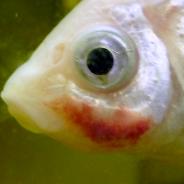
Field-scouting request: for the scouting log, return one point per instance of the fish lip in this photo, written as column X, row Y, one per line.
column 16, row 108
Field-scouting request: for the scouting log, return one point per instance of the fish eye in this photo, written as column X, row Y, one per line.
column 95, row 58
column 106, row 58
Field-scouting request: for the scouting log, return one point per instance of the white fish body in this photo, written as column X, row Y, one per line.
column 138, row 104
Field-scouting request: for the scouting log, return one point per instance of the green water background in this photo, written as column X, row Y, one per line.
column 27, row 158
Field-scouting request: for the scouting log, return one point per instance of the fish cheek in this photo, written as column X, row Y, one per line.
column 121, row 129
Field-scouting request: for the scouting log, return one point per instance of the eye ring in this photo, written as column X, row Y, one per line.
column 115, row 45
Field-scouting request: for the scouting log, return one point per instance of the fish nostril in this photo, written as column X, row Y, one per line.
column 58, row 53
column 100, row 61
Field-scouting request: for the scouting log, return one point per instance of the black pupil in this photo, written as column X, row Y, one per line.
column 100, row 61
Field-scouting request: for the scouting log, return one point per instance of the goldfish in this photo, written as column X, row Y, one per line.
column 108, row 77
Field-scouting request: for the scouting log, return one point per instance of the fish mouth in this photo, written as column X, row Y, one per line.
column 28, row 110
column 19, row 109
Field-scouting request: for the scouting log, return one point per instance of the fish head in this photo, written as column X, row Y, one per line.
column 102, row 79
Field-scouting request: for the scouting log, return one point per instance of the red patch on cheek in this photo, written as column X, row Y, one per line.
column 120, row 127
